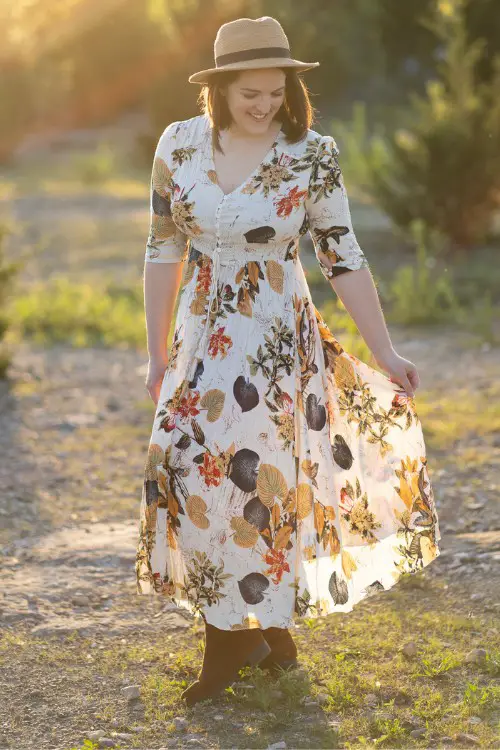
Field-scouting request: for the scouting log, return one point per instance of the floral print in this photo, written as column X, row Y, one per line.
column 284, row 478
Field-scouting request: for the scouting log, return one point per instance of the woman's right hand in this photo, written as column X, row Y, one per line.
column 154, row 378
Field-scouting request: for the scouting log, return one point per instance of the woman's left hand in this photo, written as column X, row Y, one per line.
column 400, row 370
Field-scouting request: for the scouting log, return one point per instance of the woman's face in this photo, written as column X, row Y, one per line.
column 254, row 98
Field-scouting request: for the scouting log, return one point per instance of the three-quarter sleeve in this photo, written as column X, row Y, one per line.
column 166, row 242
column 329, row 217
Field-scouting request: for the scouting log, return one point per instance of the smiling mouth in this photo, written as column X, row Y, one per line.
column 256, row 117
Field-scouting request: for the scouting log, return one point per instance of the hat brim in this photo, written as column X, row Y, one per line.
column 203, row 76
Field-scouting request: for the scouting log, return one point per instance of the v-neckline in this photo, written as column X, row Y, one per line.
column 247, row 179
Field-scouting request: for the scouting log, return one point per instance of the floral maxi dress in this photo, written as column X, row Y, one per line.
column 285, row 478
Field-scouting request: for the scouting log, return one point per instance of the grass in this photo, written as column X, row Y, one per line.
column 344, row 659
column 81, row 314
column 462, row 414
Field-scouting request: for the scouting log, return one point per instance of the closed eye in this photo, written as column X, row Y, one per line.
column 252, row 96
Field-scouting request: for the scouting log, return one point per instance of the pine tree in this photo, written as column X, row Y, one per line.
column 444, row 167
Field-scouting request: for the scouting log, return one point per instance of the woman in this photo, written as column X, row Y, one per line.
column 285, row 477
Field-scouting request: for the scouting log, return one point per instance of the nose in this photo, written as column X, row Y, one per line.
column 263, row 109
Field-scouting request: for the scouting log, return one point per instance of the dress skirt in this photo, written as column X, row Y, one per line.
column 285, row 478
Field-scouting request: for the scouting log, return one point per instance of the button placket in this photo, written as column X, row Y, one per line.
column 200, row 350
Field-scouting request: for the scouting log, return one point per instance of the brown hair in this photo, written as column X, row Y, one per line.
column 296, row 113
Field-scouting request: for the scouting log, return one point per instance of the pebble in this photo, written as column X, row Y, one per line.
column 409, row 650
column 371, row 699
column 335, row 724
column 106, row 742
column 470, row 738
column 416, row 734
column 475, row 720
column 281, row 745
column 131, row 692
column 180, row 723
column 476, row 656
column 96, row 735
column 80, row 600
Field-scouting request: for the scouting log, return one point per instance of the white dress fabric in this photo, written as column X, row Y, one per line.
column 285, row 478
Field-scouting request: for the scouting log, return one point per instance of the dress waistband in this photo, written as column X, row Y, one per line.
column 237, row 254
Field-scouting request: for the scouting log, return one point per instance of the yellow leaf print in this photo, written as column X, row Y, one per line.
column 270, row 484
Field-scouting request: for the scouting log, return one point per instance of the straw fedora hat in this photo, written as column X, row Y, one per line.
column 245, row 44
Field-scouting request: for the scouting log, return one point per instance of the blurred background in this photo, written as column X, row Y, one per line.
column 411, row 93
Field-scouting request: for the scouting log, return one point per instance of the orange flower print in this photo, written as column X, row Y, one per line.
column 203, row 280
column 402, row 402
column 187, row 407
column 212, row 469
column 219, row 343
column 346, row 503
column 278, row 565
column 184, row 407
column 287, row 203
column 402, row 399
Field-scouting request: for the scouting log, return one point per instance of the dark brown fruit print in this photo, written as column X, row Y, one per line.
column 315, row 413
column 252, row 586
column 161, row 205
column 151, row 486
column 338, row 589
column 341, row 452
column 257, row 514
column 373, row 588
column 245, row 393
column 260, row 234
column 197, row 374
column 243, row 469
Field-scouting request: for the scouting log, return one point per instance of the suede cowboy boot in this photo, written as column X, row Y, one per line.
column 283, row 654
column 226, row 652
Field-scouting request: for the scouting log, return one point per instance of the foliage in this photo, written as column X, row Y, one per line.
column 445, row 166
column 81, row 314
column 72, row 63
column 96, row 168
column 7, row 272
column 418, row 295
column 363, row 151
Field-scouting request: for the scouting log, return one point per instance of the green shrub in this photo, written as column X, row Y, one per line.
column 417, row 295
column 7, row 272
column 96, row 168
column 362, row 152
column 444, row 167
column 81, row 314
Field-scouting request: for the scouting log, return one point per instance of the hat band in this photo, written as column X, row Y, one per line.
column 252, row 54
